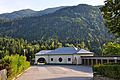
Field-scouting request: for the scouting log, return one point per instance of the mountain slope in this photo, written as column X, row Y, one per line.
column 72, row 24
column 17, row 14
column 28, row 13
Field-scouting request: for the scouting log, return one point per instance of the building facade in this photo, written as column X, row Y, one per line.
column 63, row 55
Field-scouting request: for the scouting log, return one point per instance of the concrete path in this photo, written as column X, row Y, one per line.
column 57, row 72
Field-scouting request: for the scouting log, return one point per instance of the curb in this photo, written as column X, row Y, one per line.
column 20, row 74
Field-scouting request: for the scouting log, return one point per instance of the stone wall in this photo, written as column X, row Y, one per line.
column 3, row 74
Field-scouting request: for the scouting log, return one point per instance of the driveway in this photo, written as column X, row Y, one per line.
column 57, row 72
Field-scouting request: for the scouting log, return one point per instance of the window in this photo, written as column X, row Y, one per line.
column 69, row 59
column 60, row 59
column 111, row 60
column 51, row 59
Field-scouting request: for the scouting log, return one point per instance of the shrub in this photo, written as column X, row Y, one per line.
column 15, row 64
column 108, row 70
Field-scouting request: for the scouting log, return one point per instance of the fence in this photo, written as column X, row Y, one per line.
column 92, row 60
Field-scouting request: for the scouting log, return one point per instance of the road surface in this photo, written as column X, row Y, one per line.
column 57, row 72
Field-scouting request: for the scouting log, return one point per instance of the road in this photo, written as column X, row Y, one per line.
column 57, row 72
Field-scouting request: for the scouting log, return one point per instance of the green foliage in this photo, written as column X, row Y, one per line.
column 15, row 64
column 111, row 49
column 10, row 46
column 108, row 70
column 111, row 14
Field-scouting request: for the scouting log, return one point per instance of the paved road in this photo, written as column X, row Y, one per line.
column 57, row 72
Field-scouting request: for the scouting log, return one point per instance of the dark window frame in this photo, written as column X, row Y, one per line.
column 60, row 59
column 69, row 59
column 51, row 59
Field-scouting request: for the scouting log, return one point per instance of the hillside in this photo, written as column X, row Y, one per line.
column 28, row 13
column 72, row 24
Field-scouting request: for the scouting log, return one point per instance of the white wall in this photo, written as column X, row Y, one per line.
column 86, row 54
column 78, row 56
column 64, row 57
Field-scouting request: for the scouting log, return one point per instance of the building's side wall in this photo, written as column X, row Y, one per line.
column 64, row 59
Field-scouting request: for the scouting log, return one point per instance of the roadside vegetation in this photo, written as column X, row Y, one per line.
column 14, row 65
column 108, row 70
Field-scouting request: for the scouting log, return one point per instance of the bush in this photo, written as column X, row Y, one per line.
column 111, row 71
column 15, row 64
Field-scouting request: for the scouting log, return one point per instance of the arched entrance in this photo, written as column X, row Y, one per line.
column 75, row 60
column 41, row 60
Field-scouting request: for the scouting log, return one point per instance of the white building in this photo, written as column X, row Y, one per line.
column 64, row 55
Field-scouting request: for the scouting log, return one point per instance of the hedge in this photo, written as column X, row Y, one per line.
column 14, row 64
column 108, row 70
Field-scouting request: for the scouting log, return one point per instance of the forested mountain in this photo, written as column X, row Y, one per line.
column 75, row 24
column 17, row 14
column 28, row 13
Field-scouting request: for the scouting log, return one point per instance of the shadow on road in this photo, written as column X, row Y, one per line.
column 71, row 78
column 87, row 69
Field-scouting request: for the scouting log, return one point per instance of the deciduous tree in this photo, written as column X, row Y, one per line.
column 111, row 14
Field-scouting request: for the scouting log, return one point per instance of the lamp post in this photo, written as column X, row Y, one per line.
column 24, row 52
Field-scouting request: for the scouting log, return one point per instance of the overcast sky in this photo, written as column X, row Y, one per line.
column 14, row 5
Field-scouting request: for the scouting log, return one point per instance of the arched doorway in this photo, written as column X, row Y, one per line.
column 75, row 61
column 41, row 60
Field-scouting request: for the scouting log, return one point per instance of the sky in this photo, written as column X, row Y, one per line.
column 7, row 6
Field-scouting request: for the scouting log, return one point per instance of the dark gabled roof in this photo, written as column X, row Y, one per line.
column 63, row 50
column 43, row 52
